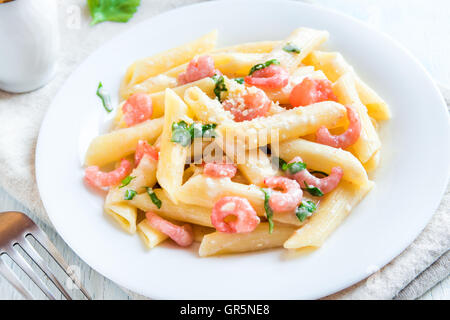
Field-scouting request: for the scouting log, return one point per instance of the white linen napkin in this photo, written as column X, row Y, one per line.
column 423, row 264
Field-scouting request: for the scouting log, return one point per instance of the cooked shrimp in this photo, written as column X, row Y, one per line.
column 325, row 185
column 220, row 170
column 287, row 200
column 245, row 216
column 311, row 91
column 253, row 104
column 346, row 139
column 182, row 235
column 198, row 68
column 271, row 77
column 144, row 148
column 137, row 109
column 99, row 179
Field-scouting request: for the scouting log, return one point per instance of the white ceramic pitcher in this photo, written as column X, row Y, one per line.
column 29, row 44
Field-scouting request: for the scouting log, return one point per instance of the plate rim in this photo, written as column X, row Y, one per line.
column 324, row 292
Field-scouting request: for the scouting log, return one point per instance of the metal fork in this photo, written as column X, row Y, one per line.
column 14, row 228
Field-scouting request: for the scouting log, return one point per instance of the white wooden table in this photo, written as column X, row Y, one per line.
column 420, row 25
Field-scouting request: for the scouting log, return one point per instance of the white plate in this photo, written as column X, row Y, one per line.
column 409, row 185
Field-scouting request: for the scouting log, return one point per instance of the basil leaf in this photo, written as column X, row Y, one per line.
column 180, row 125
column 219, row 87
column 319, row 172
column 126, row 181
column 196, row 130
column 294, row 167
column 260, row 66
column 289, row 47
column 208, row 130
column 278, row 163
column 129, row 194
column 305, row 210
column 154, row 197
column 267, row 208
column 112, row 10
column 314, row 191
column 181, row 136
column 104, row 96
column 239, row 80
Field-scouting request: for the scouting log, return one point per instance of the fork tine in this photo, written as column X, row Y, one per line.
column 42, row 238
column 14, row 281
column 36, row 257
column 23, row 264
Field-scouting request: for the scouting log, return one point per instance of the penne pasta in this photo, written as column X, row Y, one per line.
column 251, row 47
column 159, row 63
column 323, row 158
column 330, row 214
column 305, row 40
column 369, row 142
column 334, row 66
column 259, row 239
column 286, row 125
column 149, row 235
column 120, row 143
column 172, row 155
column 123, row 213
column 180, row 212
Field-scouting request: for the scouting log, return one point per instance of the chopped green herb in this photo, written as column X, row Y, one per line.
column 239, row 80
column 129, row 194
column 112, row 10
column 104, row 96
column 183, row 133
column 181, row 136
column 319, row 172
column 289, row 47
column 305, row 209
column 208, row 130
column 154, row 197
column 260, row 66
column 268, row 209
column 294, row 167
column 278, row 163
column 219, row 87
column 314, row 191
column 126, row 181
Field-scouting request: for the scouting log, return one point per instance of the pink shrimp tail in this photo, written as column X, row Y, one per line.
column 271, row 77
column 287, row 200
column 325, row 185
column 346, row 139
column 137, row 109
column 99, row 179
column 182, row 235
column 246, row 219
column 198, row 68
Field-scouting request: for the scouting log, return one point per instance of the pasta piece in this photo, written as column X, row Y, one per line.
column 120, row 143
column 305, row 40
column 123, row 213
column 333, row 209
column 373, row 162
column 149, row 235
column 259, row 239
column 369, row 142
column 169, row 210
column 203, row 191
column 334, row 66
column 285, row 125
column 142, row 176
column 200, row 232
column 323, row 158
column 206, row 109
column 251, row 47
column 161, row 62
column 172, row 156
column 257, row 167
